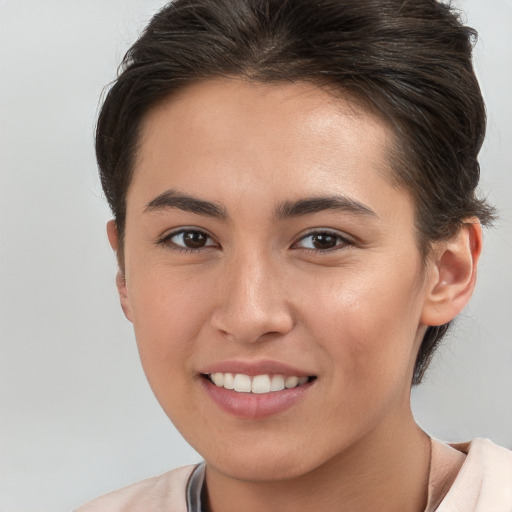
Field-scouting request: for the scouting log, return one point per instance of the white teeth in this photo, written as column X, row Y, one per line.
column 228, row 381
column 291, row 382
column 260, row 384
column 242, row 383
column 218, row 379
column 277, row 383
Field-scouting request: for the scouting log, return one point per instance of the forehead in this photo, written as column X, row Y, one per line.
column 248, row 110
column 277, row 139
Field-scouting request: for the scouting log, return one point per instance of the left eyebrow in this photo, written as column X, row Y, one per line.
column 173, row 199
column 318, row 204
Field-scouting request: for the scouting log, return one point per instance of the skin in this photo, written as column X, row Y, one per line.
column 352, row 314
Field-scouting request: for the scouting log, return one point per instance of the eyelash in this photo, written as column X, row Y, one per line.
column 166, row 241
column 341, row 241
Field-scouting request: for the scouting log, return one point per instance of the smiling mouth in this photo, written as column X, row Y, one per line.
column 258, row 384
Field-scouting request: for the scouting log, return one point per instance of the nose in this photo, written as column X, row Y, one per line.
column 253, row 301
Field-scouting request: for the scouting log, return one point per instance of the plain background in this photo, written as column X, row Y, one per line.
column 77, row 417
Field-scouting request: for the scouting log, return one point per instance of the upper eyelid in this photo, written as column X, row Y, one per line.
column 330, row 231
column 345, row 241
column 182, row 229
column 167, row 235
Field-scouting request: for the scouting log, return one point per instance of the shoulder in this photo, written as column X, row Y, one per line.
column 160, row 493
column 484, row 483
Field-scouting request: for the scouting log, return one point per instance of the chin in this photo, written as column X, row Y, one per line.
column 270, row 470
column 272, row 462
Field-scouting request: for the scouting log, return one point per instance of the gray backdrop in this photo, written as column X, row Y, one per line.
column 77, row 417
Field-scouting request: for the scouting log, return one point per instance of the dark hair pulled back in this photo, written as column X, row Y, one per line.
column 410, row 60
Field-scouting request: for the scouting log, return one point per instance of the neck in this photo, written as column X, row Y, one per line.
column 387, row 470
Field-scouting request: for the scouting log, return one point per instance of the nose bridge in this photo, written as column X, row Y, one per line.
column 252, row 302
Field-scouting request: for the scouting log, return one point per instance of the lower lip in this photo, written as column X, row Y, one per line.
column 253, row 405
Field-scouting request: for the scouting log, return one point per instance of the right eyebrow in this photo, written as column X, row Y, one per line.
column 173, row 199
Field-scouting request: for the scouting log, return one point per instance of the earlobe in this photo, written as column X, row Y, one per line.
column 123, row 295
column 453, row 274
column 113, row 238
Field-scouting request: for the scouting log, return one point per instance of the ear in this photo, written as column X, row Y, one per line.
column 452, row 275
column 113, row 238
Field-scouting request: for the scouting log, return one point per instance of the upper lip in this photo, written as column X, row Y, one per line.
column 253, row 368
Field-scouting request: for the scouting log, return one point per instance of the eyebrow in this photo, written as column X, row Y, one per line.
column 174, row 199
column 318, row 204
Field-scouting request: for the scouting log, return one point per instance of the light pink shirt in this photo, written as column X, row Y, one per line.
column 484, row 482
column 480, row 481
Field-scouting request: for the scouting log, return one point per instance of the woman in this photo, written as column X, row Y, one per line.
column 295, row 220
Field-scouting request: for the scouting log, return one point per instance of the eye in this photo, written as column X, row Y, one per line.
column 321, row 241
column 189, row 239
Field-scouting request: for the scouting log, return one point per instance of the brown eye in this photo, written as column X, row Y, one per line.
column 192, row 239
column 322, row 241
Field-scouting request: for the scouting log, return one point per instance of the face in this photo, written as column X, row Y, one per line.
column 266, row 249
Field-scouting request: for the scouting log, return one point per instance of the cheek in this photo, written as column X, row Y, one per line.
column 367, row 322
column 169, row 311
